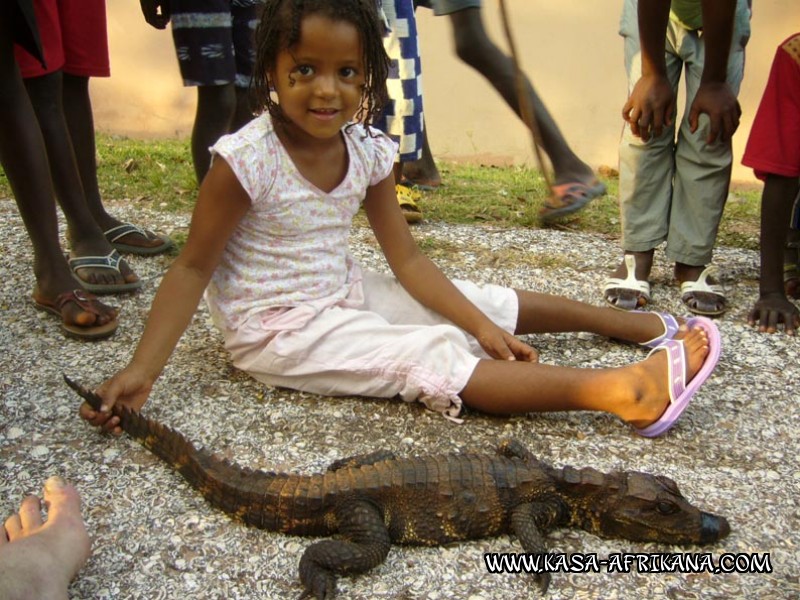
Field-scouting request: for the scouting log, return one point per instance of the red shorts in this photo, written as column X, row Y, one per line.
column 73, row 36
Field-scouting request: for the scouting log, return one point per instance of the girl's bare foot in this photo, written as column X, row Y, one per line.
column 648, row 326
column 39, row 559
column 650, row 381
column 640, row 327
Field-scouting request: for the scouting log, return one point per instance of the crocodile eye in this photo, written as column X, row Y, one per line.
column 666, row 508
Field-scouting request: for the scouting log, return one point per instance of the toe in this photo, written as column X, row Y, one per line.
column 30, row 513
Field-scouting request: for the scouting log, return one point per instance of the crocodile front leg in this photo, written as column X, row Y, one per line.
column 361, row 460
column 529, row 521
column 513, row 448
column 365, row 546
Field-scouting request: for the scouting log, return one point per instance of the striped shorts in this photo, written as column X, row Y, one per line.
column 214, row 40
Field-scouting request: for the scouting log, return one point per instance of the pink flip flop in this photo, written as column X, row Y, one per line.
column 681, row 392
column 671, row 327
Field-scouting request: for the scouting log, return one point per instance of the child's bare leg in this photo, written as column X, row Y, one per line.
column 216, row 107
column 544, row 313
column 638, row 393
column 39, row 559
column 475, row 48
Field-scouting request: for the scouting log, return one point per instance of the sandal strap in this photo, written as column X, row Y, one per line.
column 407, row 192
column 702, row 285
column 406, row 201
column 120, row 231
column 676, row 363
column 671, row 327
column 630, row 282
column 85, row 300
column 110, row 261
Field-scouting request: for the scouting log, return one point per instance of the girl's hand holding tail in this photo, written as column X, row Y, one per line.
column 130, row 387
column 501, row 345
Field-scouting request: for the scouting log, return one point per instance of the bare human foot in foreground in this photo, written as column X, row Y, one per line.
column 652, row 387
column 38, row 559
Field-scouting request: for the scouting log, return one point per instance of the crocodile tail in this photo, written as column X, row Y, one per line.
column 238, row 491
column 224, row 485
column 91, row 398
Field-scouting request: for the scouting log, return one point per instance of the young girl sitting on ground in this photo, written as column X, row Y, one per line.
column 269, row 245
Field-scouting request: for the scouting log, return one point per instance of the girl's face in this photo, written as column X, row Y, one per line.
column 319, row 81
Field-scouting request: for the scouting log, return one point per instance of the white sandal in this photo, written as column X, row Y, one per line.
column 694, row 304
column 625, row 294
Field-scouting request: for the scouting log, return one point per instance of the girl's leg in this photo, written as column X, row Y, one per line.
column 545, row 313
column 637, row 393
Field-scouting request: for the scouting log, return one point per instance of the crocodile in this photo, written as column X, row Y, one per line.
column 371, row 501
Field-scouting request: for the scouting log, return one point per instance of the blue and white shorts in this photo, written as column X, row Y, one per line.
column 401, row 118
column 214, row 40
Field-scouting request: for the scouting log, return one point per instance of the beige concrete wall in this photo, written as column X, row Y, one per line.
column 569, row 48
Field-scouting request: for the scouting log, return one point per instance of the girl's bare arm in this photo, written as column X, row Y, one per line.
column 426, row 283
column 221, row 204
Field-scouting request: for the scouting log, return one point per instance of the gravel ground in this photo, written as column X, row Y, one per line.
column 734, row 453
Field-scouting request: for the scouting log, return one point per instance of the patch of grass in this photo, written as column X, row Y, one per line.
column 741, row 222
column 155, row 172
column 505, row 196
column 515, row 257
column 159, row 174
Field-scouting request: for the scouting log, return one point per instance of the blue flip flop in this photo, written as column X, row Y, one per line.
column 111, row 262
column 681, row 391
column 115, row 234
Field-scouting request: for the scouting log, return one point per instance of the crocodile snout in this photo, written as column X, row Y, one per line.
column 713, row 528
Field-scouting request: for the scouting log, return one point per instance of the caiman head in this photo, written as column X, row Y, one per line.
column 639, row 507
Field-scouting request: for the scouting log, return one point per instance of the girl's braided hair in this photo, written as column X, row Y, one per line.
column 279, row 29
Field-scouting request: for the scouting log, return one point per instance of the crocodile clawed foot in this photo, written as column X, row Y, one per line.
column 321, row 587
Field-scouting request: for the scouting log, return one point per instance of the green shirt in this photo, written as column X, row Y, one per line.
column 689, row 13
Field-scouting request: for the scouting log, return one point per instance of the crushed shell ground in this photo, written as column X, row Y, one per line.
column 734, row 453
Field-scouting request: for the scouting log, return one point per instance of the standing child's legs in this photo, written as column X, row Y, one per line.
column 402, row 117
column 791, row 258
column 39, row 559
column 216, row 105
column 77, row 107
column 222, row 77
column 646, row 168
column 423, row 172
column 23, row 156
column 702, row 179
column 85, row 235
